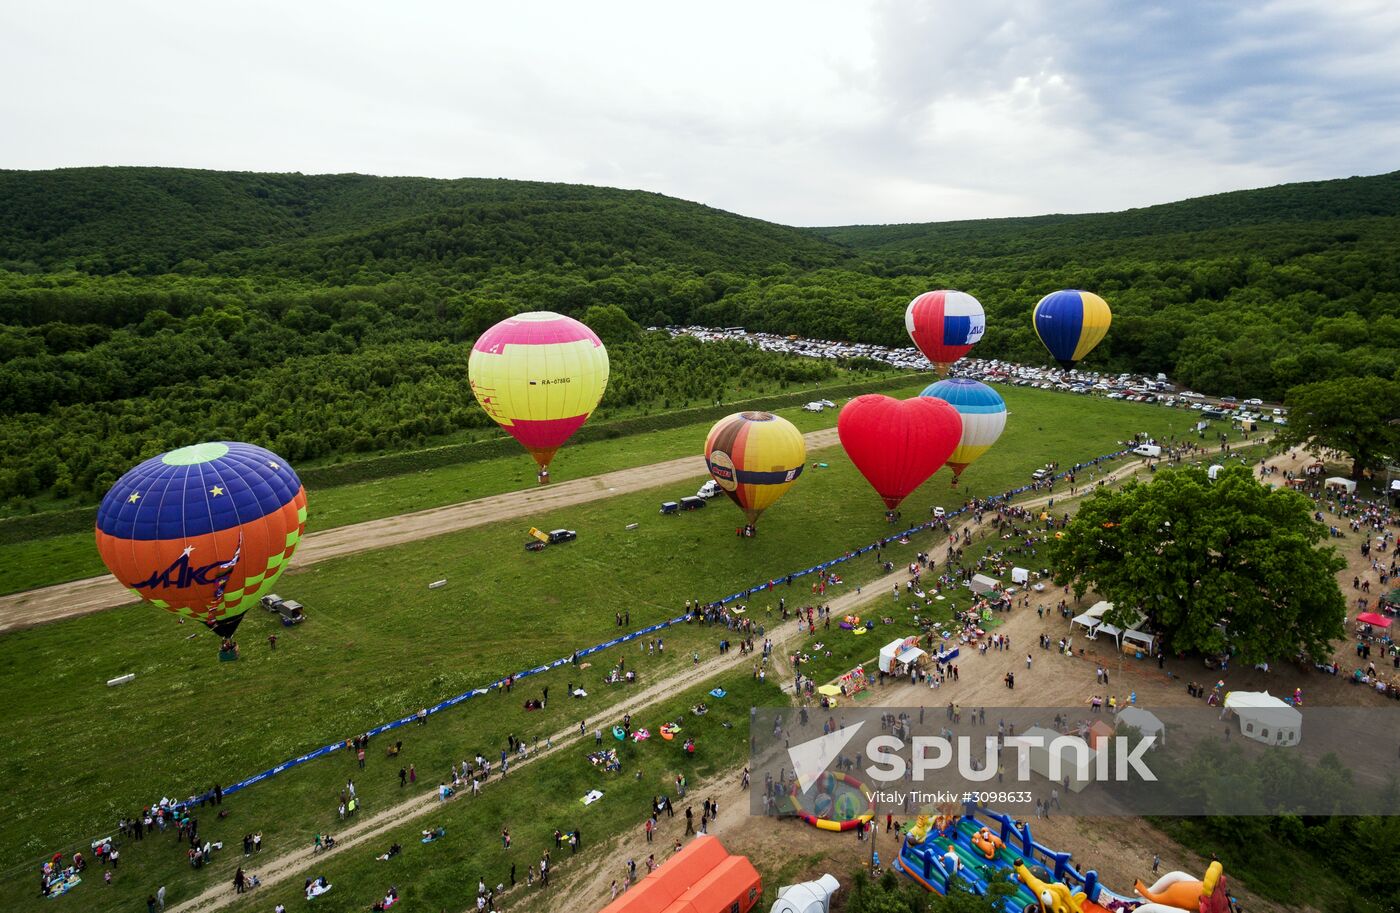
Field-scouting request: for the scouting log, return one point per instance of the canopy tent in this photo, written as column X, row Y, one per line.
column 1020, row 575
column 1086, row 621
column 1105, row 628
column 1147, row 641
column 1076, row 757
column 894, row 652
column 1265, row 718
column 1144, row 721
column 982, row 584
column 807, row 897
column 830, row 690
column 1371, row 618
column 1346, row 485
column 1100, row 609
column 910, row 655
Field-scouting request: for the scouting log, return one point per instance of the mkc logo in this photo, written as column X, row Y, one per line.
column 182, row 573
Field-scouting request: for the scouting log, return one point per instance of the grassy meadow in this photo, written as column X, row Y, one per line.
column 379, row 644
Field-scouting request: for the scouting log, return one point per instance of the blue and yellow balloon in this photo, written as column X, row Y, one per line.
column 1070, row 323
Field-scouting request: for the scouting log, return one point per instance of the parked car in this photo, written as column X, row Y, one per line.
column 561, row 535
column 709, row 490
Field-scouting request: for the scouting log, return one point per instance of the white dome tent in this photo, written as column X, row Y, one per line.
column 807, row 897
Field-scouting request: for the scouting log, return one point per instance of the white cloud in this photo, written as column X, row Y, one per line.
column 806, row 113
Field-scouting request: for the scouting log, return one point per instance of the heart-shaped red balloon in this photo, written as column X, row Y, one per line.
column 897, row 444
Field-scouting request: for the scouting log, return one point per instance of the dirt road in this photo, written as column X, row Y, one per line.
column 95, row 594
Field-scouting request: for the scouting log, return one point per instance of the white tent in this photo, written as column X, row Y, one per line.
column 1143, row 721
column 1214, row 471
column 1265, row 718
column 1100, row 609
column 807, row 897
column 910, row 654
column 1020, row 575
column 1087, row 621
column 1147, row 641
column 1346, row 485
column 1076, row 757
column 981, row 583
column 896, row 651
column 1105, row 628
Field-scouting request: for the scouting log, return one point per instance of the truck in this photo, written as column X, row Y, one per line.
column 709, row 490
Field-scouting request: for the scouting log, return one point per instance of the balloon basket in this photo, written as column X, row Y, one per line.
column 228, row 656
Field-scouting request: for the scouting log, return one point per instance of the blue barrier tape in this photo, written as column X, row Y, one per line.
column 626, row 638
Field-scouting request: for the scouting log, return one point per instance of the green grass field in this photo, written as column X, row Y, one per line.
column 380, row 644
column 57, row 559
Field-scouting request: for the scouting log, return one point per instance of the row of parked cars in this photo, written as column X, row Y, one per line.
column 1127, row 387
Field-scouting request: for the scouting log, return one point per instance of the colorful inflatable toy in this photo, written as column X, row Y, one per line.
column 1054, row 897
column 1183, row 892
column 987, row 842
column 840, row 801
column 641, row 735
column 669, row 730
column 619, row 733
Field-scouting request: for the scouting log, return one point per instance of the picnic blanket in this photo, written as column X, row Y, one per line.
column 592, row 796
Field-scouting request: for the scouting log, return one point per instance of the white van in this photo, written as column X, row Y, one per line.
column 1148, row 450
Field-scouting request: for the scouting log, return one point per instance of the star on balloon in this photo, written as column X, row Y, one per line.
column 135, row 496
column 216, row 490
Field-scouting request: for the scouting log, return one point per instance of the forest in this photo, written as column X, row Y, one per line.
column 328, row 316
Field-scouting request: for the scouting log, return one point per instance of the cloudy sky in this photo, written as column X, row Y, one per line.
column 810, row 113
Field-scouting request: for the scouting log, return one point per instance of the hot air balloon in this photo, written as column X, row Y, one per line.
column 897, row 444
column 539, row 375
column 755, row 457
column 945, row 325
column 203, row 531
column 983, row 414
column 1070, row 324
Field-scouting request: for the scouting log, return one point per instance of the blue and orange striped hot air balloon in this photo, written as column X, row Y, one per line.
column 203, row 531
column 1070, row 323
column 539, row 375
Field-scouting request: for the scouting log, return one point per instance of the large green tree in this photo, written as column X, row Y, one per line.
column 1359, row 416
column 1191, row 554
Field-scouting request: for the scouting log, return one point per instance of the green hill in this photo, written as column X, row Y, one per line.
column 154, row 220
column 1315, row 201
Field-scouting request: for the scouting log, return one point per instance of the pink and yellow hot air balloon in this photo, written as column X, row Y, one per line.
column 539, row 375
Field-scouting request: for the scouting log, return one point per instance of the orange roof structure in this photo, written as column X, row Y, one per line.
column 702, row 878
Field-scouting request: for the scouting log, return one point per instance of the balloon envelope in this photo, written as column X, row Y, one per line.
column 983, row 414
column 945, row 325
column 539, row 376
column 1071, row 323
column 755, row 457
column 898, row 444
column 203, row 531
